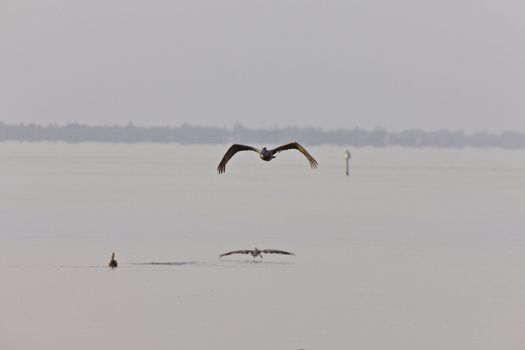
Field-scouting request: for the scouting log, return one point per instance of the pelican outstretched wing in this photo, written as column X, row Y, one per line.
column 275, row 251
column 246, row 251
column 231, row 152
column 295, row 145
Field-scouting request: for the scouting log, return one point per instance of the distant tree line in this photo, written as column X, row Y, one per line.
column 191, row 134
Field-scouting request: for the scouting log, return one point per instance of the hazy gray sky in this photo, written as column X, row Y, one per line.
column 400, row 64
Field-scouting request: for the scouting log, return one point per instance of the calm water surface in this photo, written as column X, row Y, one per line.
column 417, row 249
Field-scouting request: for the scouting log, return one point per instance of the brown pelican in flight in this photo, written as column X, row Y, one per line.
column 264, row 154
column 113, row 262
column 257, row 252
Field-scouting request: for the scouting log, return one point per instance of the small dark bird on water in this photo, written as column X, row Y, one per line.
column 257, row 252
column 113, row 262
column 264, row 154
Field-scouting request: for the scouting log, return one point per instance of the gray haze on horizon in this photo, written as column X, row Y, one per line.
column 404, row 64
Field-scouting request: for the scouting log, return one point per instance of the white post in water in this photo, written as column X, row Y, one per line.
column 347, row 158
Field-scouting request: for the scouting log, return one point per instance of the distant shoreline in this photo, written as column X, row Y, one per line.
column 193, row 134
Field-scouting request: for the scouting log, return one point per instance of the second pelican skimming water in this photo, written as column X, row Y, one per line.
column 257, row 252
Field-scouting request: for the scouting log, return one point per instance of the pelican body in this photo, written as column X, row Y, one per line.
column 266, row 156
column 256, row 252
